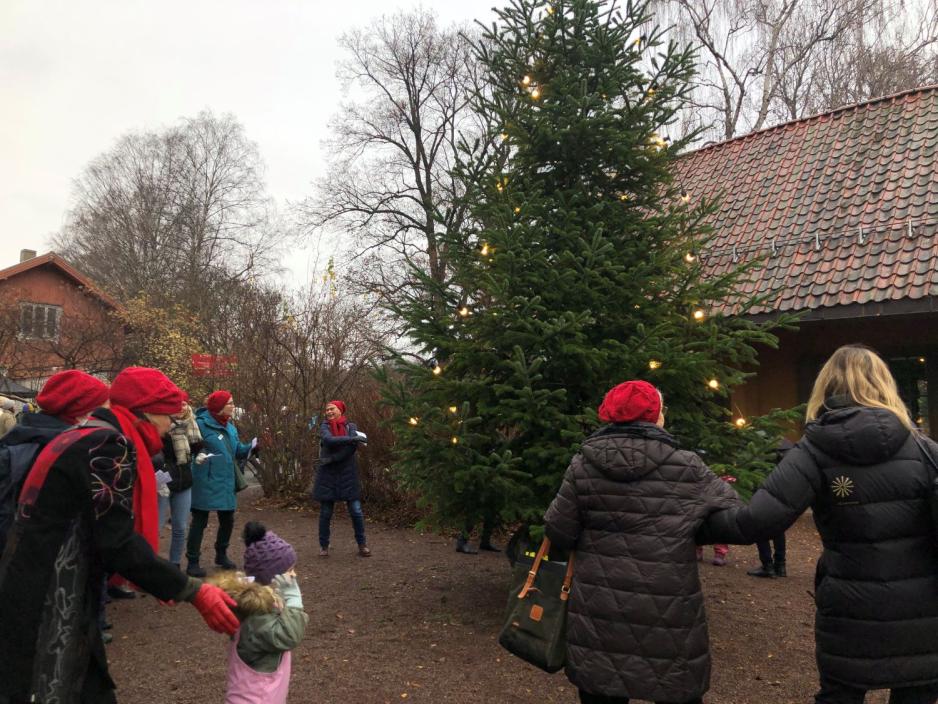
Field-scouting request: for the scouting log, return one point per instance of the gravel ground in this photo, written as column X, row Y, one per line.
column 418, row 622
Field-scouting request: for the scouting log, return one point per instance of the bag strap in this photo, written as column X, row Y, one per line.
column 926, row 453
column 36, row 478
column 532, row 573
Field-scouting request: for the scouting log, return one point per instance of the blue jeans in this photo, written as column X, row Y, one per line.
column 177, row 506
column 326, row 509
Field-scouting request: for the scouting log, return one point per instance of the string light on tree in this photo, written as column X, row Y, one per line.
column 535, row 93
column 464, row 312
column 526, row 81
column 690, row 257
column 741, row 422
column 699, row 315
column 454, row 409
column 654, row 364
column 685, row 197
column 714, row 384
column 413, row 420
column 454, row 440
column 485, row 249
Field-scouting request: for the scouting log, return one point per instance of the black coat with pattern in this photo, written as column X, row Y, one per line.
column 630, row 504
column 876, row 584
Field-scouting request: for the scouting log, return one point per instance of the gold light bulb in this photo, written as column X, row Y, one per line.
column 699, row 315
column 485, row 249
column 535, row 93
column 713, row 384
column 464, row 311
column 526, row 81
column 654, row 364
column 453, row 409
column 740, row 422
column 413, row 420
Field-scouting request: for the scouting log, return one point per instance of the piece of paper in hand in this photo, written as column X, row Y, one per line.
column 362, row 435
column 254, row 443
column 163, row 477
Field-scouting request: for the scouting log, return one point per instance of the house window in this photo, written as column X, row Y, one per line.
column 40, row 320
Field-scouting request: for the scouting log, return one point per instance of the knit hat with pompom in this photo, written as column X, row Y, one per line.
column 266, row 554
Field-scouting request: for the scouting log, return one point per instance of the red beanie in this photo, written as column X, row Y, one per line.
column 630, row 401
column 71, row 394
column 338, row 404
column 217, row 400
column 146, row 390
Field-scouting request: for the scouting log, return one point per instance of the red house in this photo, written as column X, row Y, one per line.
column 53, row 317
column 840, row 211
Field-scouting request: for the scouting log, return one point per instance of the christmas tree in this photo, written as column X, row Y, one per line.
column 581, row 271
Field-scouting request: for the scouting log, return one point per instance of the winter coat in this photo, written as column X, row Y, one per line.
column 876, row 583
column 630, row 504
column 337, row 476
column 52, row 572
column 213, row 481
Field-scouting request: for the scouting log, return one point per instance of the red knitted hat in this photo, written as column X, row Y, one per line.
column 71, row 394
column 217, row 400
column 146, row 390
column 631, row 401
column 338, row 404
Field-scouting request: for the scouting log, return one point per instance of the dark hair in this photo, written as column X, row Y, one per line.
column 254, row 531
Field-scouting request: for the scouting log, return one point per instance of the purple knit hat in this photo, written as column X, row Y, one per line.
column 266, row 554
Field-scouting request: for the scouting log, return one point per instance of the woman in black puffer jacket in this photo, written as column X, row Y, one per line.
column 630, row 504
column 860, row 468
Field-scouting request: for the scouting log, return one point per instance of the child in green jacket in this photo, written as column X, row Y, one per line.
column 270, row 608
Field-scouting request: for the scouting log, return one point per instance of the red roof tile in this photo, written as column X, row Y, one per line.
column 831, row 200
column 54, row 260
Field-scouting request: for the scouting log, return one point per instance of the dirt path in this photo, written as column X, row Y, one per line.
column 418, row 622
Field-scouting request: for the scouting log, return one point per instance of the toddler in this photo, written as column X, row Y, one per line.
column 270, row 608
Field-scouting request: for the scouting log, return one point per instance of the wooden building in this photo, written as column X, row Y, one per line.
column 842, row 209
column 53, row 317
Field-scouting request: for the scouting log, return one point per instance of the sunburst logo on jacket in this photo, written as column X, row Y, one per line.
column 842, row 487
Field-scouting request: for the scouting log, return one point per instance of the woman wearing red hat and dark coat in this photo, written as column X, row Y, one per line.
column 630, row 504
column 213, row 480
column 89, row 507
column 337, row 476
column 66, row 398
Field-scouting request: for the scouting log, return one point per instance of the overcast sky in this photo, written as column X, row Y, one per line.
column 76, row 75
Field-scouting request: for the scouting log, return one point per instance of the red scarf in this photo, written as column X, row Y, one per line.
column 146, row 441
column 338, row 426
column 223, row 419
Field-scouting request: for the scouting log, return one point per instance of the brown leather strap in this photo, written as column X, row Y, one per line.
column 532, row 573
column 567, row 578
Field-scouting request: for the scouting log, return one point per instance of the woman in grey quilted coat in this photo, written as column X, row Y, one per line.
column 630, row 504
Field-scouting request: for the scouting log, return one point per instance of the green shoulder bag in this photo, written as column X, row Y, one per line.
column 535, row 627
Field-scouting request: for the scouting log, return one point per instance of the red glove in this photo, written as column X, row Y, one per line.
column 213, row 603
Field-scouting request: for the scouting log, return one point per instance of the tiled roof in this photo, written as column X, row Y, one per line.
column 845, row 204
column 53, row 259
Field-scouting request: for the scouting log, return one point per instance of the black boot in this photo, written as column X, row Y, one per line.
column 221, row 559
column 193, row 569
column 780, row 570
column 765, row 571
column 463, row 546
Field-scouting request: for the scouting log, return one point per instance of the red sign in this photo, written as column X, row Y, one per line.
column 215, row 365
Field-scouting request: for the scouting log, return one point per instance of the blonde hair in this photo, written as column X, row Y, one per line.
column 252, row 597
column 858, row 372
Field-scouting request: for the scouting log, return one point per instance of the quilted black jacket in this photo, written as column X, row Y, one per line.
column 630, row 504
column 876, row 584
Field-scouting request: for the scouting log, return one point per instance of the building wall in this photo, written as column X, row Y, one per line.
column 89, row 337
column 785, row 376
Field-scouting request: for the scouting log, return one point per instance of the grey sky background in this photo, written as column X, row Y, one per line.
column 77, row 74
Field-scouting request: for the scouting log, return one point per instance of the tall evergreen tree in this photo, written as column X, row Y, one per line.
column 581, row 271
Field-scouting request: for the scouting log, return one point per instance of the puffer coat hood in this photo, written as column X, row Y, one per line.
column 630, row 503
column 857, row 435
column 876, row 585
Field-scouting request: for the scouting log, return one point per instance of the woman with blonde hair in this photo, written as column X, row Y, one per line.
column 860, row 467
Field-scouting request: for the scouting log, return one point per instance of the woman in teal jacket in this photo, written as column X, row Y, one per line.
column 213, row 480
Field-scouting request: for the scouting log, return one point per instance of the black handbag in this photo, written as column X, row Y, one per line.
column 933, row 482
column 535, row 627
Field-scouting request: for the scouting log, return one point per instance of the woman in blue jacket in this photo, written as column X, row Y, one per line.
column 337, row 478
column 213, row 480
